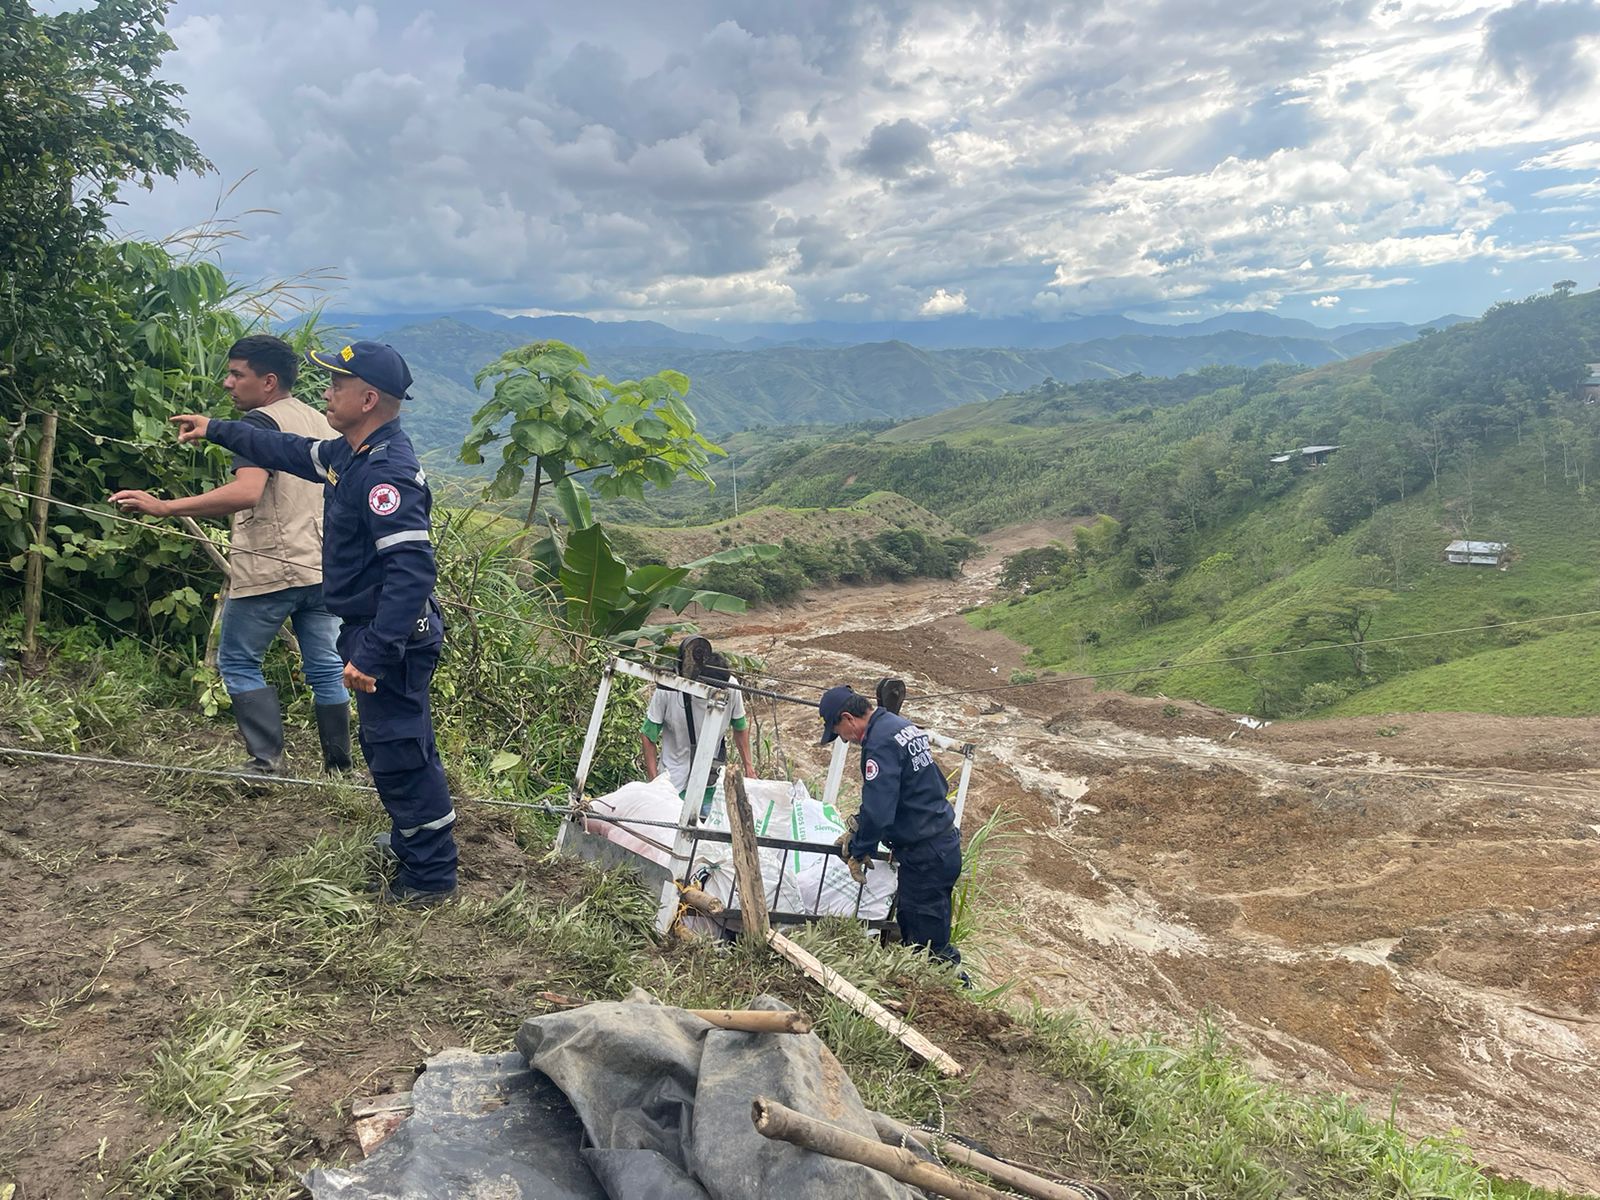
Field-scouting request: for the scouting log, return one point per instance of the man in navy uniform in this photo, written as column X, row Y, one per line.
column 378, row 574
column 904, row 805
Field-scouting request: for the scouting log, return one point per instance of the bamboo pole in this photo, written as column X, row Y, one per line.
column 754, row 1020
column 1014, row 1177
column 746, row 859
column 214, row 636
column 697, row 899
column 744, row 1020
column 774, row 1120
column 33, row 578
column 863, row 1004
column 206, row 544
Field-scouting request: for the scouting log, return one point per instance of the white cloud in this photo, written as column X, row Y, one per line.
column 1325, row 302
column 730, row 159
column 942, row 303
column 1570, row 191
column 1580, row 156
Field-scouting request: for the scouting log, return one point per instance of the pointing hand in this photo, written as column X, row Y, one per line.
column 191, row 426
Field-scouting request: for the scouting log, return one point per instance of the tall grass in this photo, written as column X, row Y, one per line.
column 223, row 1089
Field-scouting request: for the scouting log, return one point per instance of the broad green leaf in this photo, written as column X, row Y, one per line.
column 756, row 552
column 574, row 502
column 679, row 598
column 591, row 577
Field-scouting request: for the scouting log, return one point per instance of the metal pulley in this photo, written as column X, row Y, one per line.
column 891, row 694
column 693, row 654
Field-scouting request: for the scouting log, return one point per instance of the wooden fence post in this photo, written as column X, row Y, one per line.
column 33, row 579
column 746, row 857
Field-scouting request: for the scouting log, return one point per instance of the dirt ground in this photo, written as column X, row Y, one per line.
column 132, row 905
column 1402, row 906
column 1405, row 905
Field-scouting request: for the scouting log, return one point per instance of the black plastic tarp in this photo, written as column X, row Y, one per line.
column 630, row 1100
column 665, row 1101
column 483, row 1127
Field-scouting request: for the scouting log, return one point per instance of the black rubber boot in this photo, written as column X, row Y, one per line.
column 260, row 721
column 333, row 727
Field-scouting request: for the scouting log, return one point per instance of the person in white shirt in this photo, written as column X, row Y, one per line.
column 671, row 732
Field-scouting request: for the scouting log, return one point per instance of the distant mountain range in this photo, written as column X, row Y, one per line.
column 945, row 333
column 816, row 379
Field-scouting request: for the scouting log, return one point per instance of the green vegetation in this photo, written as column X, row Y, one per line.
column 1301, row 572
column 891, row 556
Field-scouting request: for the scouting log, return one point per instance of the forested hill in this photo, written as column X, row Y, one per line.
column 789, row 384
column 1479, row 431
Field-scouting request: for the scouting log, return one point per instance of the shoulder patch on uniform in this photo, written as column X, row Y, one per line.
column 383, row 499
column 870, row 769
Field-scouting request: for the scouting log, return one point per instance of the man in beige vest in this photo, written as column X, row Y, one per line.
column 275, row 564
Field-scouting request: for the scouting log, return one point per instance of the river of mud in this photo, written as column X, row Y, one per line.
column 1400, row 906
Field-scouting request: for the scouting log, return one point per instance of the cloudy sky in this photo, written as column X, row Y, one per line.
column 700, row 161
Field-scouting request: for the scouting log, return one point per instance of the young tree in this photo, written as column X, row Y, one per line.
column 565, row 423
column 1340, row 618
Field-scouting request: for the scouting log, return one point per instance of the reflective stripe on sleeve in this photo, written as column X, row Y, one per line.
column 448, row 819
column 316, row 460
column 405, row 535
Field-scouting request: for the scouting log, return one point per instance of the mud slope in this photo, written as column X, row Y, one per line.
column 1414, row 910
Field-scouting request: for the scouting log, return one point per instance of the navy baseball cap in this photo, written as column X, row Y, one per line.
column 832, row 706
column 376, row 363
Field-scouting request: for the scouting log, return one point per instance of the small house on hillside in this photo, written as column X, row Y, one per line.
column 1589, row 389
column 1477, row 554
column 1311, row 456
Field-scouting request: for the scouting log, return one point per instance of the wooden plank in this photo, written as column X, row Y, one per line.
column 864, row 1004
column 746, row 860
column 774, row 1120
column 372, row 1132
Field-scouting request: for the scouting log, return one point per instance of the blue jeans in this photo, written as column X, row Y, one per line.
column 249, row 623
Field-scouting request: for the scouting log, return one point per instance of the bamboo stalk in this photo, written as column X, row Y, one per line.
column 214, row 635
column 701, row 902
column 1014, row 1177
column 33, row 577
column 193, row 528
column 754, row 1020
column 774, row 1120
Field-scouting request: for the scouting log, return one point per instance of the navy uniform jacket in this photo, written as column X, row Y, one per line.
column 378, row 569
column 903, row 792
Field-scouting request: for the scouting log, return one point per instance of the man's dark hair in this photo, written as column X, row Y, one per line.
column 268, row 355
column 856, row 706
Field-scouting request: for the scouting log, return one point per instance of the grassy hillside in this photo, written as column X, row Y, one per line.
column 1545, row 677
column 1216, row 552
